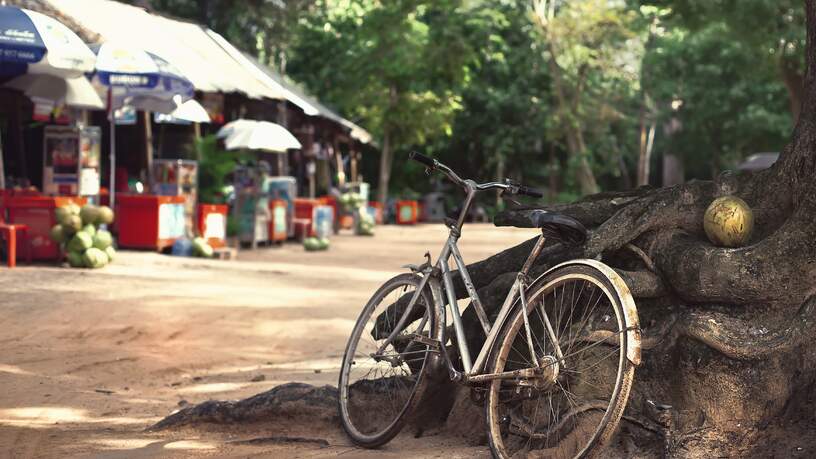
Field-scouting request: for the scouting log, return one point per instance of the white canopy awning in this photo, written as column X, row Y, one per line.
column 186, row 45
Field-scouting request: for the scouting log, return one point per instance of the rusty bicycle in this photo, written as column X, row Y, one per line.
column 558, row 359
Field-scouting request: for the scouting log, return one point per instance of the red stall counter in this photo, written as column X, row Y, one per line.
column 278, row 230
column 407, row 212
column 38, row 212
column 149, row 222
column 212, row 223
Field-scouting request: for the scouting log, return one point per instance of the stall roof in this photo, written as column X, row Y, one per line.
column 319, row 109
column 187, row 45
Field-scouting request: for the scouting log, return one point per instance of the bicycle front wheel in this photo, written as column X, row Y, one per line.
column 380, row 387
column 573, row 404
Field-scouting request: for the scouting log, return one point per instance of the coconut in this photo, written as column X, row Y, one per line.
column 104, row 215
column 89, row 214
column 311, row 243
column 81, row 241
column 102, row 239
column 72, row 223
column 324, row 243
column 90, row 229
column 95, row 258
column 75, row 260
column 201, row 248
column 110, row 252
column 57, row 234
column 73, row 209
column 61, row 213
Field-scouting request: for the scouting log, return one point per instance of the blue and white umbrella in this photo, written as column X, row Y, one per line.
column 142, row 80
column 31, row 42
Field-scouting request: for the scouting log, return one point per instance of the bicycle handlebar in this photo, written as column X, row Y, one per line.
column 420, row 158
column 507, row 185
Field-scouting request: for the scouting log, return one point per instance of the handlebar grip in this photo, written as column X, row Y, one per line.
column 532, row 192
column 420, row 158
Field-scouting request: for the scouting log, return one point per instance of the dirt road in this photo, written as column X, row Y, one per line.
column 89, row 359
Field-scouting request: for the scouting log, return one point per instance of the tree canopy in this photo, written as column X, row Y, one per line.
column 569, row 96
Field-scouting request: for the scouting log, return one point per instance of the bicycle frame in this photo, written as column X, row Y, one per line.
column 473, row 372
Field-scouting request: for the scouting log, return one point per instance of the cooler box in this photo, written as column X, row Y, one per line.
column 38, row 213
column 332, row 202
column 407, row 212
column 278, row 222
column 376, row 210
column 284, row 188
column 148, row 221
column 322, row 222
column 212, row 223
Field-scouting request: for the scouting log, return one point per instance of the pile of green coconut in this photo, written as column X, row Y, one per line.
column 354, row 204
column 82, row 235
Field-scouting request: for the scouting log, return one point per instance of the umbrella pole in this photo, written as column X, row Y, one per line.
column 112, row 153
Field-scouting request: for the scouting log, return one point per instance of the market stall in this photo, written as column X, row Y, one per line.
column 178, row 177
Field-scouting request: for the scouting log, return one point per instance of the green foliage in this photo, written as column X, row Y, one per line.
column 214, row 168
column 260, row 27
column 729, row 104
column 489, row 88
column 381, row 62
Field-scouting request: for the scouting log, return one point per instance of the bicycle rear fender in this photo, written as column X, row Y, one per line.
column 628, row 303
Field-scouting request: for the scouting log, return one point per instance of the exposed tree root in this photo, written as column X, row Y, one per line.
column 282, row 402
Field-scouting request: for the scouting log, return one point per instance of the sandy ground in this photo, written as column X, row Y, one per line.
column 89, row 359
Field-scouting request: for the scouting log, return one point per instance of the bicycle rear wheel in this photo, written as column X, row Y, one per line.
column 378, row 391
column 573, row 409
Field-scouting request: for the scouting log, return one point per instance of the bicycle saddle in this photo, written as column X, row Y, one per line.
column 558, row 226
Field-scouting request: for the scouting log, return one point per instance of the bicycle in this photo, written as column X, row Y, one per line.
column 557, row 362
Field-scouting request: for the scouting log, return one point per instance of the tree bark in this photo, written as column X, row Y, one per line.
column 385, row 168
column 386, row 157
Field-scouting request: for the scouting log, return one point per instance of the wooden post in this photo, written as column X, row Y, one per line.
column 338, row 159
column 148, row 147
column 197, row 140
column 353, row 155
